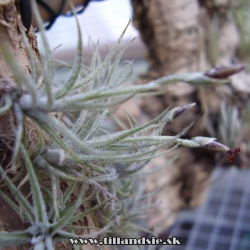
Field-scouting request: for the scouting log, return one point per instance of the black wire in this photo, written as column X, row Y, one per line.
column 26, row 13
column 54, row 14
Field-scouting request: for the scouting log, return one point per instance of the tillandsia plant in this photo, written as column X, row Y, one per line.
column 241, row 12
column 61, row 147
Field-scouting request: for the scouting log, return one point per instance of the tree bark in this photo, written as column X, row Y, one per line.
column 10, row 20
column 10, row 25
column 184, row 36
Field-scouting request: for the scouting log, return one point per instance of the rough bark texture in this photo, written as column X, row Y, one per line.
column 10, row 22
column 185, row 36
column 170, row 31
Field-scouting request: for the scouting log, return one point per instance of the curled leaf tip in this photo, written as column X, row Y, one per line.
column 214, row 145
column 182, row 110
column 210, row 143
column 225, row 72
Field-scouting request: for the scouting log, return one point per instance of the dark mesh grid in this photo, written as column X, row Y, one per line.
column 223, row 221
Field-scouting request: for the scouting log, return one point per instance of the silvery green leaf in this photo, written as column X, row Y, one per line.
column 14, row 238
column 38, row 199
column 68, row 85
column 19, row 197
column 58, row 225
column 106, row 140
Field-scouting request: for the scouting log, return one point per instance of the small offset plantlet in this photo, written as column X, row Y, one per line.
column 229, row 127
column 241, row 13
column 59, row 137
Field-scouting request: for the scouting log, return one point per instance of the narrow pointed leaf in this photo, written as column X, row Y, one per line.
column 38, row 201
column 65, row 220
column 14, row 238
column 66, row 87
column 19, row 197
